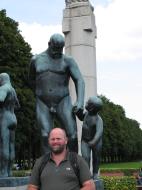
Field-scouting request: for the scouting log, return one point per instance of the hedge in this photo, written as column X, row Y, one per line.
column 119, row 183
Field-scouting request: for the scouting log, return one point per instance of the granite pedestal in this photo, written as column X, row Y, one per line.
column 14, row 183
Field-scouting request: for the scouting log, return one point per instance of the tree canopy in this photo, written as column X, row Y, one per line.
column 122, row 139
column 15, row 55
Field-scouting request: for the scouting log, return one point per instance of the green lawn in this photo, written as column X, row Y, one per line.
column 125, row 165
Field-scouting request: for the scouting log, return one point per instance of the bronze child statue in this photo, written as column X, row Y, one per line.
column 92, row 131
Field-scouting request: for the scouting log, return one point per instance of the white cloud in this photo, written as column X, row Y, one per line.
column 118, row 46
column 119, row 27
column 38, row 35
column 119, row 57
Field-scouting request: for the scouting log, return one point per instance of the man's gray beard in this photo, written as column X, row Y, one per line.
column 59, row 150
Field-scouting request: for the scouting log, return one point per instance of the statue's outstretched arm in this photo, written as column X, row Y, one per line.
column 3, row 92
column 17, row 104
column 79, row 83
column 99, row 131
column 32, row 73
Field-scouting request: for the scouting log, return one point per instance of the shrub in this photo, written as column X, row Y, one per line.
column 119, row 183
column 21, row 173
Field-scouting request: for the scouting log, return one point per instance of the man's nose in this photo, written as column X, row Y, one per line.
column 56, row 140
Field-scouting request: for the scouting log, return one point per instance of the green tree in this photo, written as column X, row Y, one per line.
column 122, row 139
column 14, row 59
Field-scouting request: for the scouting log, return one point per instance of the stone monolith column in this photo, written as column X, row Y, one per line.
column 80, row 33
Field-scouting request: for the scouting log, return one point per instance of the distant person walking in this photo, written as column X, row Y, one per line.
column 139, row 177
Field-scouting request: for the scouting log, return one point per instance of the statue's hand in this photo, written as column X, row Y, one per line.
column 91, row 144
column 77, row 107
column 78, row 110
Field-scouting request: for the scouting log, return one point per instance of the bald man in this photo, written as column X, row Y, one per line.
column 49, row 74
column 8, row 122
column 58, row 172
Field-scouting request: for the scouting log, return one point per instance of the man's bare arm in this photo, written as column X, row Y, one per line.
column 32, row 187
column 78, row 81
column 99, row 131
column 32, row 73
column 3, row 93
column 88, row 185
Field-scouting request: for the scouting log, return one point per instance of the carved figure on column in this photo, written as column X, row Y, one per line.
column 49, row 73
column 68, row 2
column 92, row 131
column 8, row 122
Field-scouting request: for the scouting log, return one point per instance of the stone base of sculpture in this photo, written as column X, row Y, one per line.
column 99, row 184
column 14, row 183
column 14, row 188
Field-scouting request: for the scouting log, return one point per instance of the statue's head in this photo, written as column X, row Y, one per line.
column 56, row 44
column 94, row 105
column 4, row 78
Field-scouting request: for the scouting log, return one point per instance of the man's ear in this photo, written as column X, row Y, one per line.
column 66, row 140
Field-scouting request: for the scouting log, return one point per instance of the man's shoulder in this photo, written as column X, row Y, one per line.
column 81, row 162
column 80, row 158
column 39, row 162
column 76, row 156
column 40, row 159
column 70, row 61
column 44, row 156
column 39, row 56
column 68, row 58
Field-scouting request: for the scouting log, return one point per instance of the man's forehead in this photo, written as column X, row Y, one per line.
column 57, row 132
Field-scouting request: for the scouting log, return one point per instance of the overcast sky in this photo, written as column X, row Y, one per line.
column 118, row 44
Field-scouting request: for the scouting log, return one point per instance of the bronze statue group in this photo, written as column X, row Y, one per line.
column 50, row 72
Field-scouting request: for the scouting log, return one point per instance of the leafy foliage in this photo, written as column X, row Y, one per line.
column 14, row 59
column 119, row 183
column 122, row 139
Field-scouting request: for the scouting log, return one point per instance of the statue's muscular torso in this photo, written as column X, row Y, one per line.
column 52, row 78
column 89, row 127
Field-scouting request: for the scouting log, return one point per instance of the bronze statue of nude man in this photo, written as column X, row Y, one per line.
column 8, row 123
column 49, row 74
